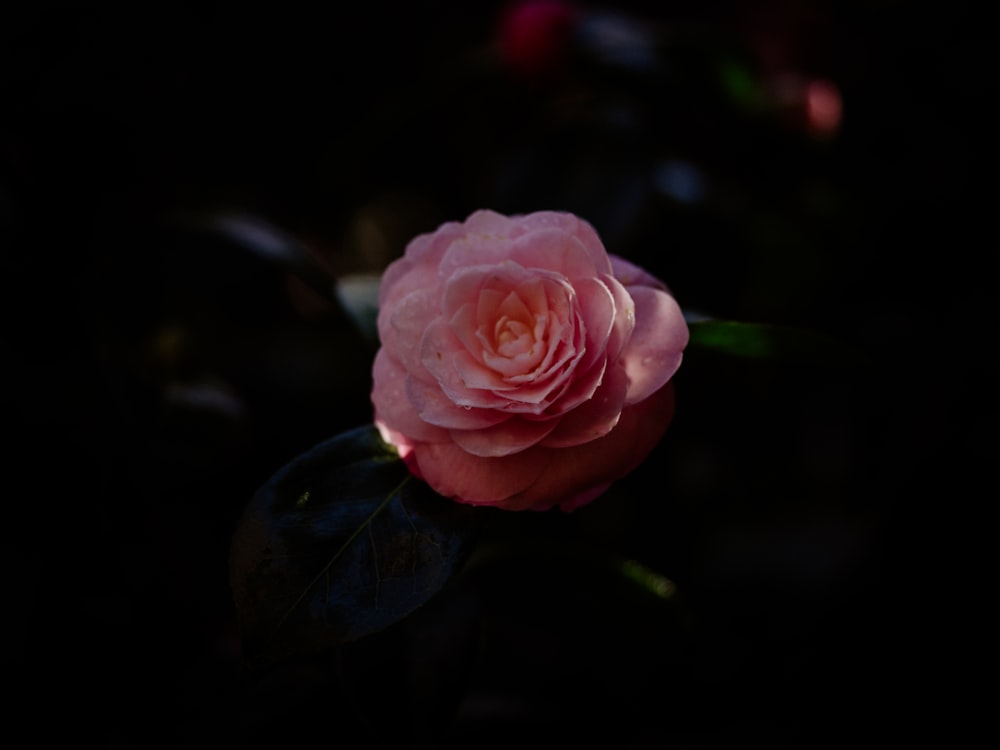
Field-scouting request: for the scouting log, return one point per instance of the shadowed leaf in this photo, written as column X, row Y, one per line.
column 340, row 543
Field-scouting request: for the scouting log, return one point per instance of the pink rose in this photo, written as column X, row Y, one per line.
column 522, row 366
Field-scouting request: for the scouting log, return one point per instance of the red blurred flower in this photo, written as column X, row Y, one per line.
column 534, row 36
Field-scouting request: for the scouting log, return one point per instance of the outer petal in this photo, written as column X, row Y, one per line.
column 485, row 221
column 630, row 274
column 402, row 325
column 578, row 389
column 474, row 480
column 556, row 251
column 624, row 318
column 655, row 350
column 438, row 352
column 551, row 249
column 504, row 439
column 541, row 478
column 417, row 268
column 598, row 310
column 391, row 276
column 393, row 407
column 575, row 476
column 432, row 405
column 595, row 417
column 576, row 226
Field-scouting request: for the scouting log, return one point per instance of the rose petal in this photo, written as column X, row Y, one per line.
column 597, row 309
column 624, row 323
column 437, row 408
column 508, row 333
column 558, row 342
column 461, row 379
column 587, row 235
column 418, row 266
column 575, row 226
column 485, row 221
column 480, row 383
column 463, row 287
column 630, row 274
column 541, row 478
column 454, row 473
column 655, row 350
column 472, row 251
column 463, row 325
column 555, row 251
column 531, row 377
column 486, row 302
column 402, row 326
column 548, row 248
column 574, row 474
column 594, row 417
column 563, row 338
column 512, row 436
column 458, row 374
column 392, row 275
column 576, row 387
column 392, row 405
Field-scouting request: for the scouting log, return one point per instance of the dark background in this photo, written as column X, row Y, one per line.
column 801, row 507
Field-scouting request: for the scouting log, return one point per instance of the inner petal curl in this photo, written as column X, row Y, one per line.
column 520, row 332
column 510, row 333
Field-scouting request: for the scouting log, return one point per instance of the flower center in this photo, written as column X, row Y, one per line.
column 512, row 337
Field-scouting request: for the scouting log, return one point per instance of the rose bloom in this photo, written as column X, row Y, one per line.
column 521, row 366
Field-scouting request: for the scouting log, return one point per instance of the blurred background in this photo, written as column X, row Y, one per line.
column 180, row 185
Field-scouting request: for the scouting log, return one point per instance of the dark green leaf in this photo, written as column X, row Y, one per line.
column 340, row 543
column 762, row 341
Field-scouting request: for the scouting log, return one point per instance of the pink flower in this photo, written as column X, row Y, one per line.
column 522, row 366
